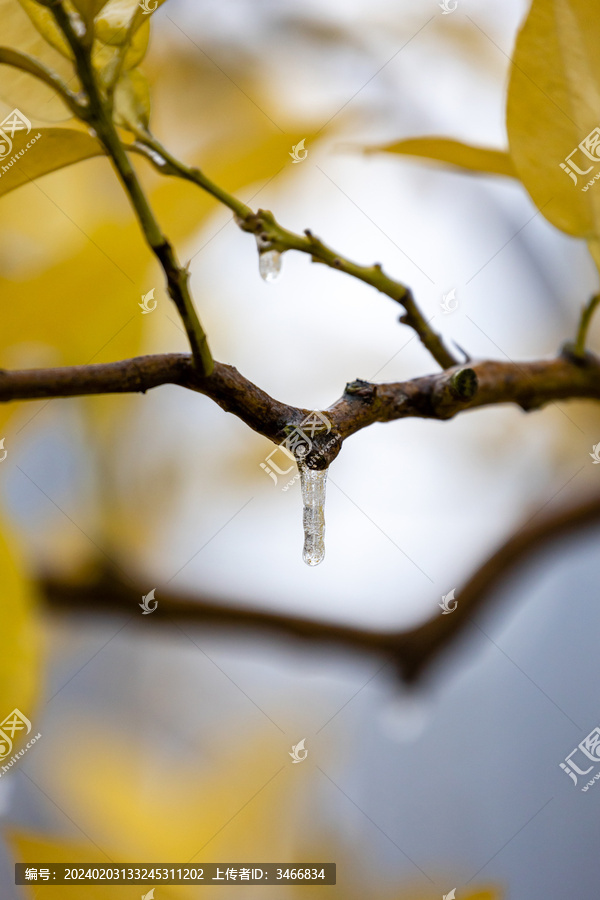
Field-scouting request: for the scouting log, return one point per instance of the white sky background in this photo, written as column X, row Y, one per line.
column 412, row 495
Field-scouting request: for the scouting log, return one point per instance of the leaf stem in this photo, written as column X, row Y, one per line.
column 584, row 324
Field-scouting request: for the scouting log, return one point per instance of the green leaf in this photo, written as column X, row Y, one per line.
column 132, row 102
column 51, row 149
column 553, row 112
column 454, row 153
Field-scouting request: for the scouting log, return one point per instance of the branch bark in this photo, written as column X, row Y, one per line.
column 443, row 395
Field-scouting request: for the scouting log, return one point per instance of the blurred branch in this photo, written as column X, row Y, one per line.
column 413, row 651
column 275, row 237
column 31, row 66
column 440, row 396
column 97, row 114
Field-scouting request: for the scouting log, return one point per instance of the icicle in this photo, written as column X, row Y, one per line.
column 312, row 483
column 269, row 260
column 269, row 265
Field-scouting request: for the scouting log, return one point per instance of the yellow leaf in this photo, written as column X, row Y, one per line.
column 553, row 112
column 18, row 672
column 30, row 848
column 42, row 150
column 106, row 57
column 132, row 102
column 45, row 23
column 454, row 153
column 31, row 96
column 89, row 9
column 113, row 25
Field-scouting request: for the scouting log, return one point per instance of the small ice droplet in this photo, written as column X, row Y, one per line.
column 313, row 483
column 405, row 718
column 269, row 264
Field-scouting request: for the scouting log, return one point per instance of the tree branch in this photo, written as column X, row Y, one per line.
column 98, row 115
column 440, row 396
column 413, row 651
column 274, row 236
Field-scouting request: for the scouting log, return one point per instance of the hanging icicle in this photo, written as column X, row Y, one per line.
column 313, row 483
column 269, row 260
column 269, row 265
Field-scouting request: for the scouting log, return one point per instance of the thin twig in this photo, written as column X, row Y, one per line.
column 98, row 116
column 584, row 324
column 276, row 237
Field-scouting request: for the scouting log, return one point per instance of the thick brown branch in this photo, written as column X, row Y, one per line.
column 413, row 651
column 438, row 396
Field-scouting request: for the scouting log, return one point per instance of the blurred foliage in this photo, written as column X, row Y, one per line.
column 552, row 106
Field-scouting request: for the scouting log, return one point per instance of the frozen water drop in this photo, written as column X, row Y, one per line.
column 269, row 264
column 313, row 483
column 405, row 718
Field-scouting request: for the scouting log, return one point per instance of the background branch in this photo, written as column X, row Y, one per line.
column 413, row 651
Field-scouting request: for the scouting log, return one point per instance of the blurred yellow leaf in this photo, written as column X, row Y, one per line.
column 89, row 9
column 132, row 102
column 18, row 672
column 45, row 23
column 110, row 58
column 52, row 148
column 553, row 112
column 154, row 814
column 113, row 24
column 30, row 95
column 30, row 848
column 454, row 153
